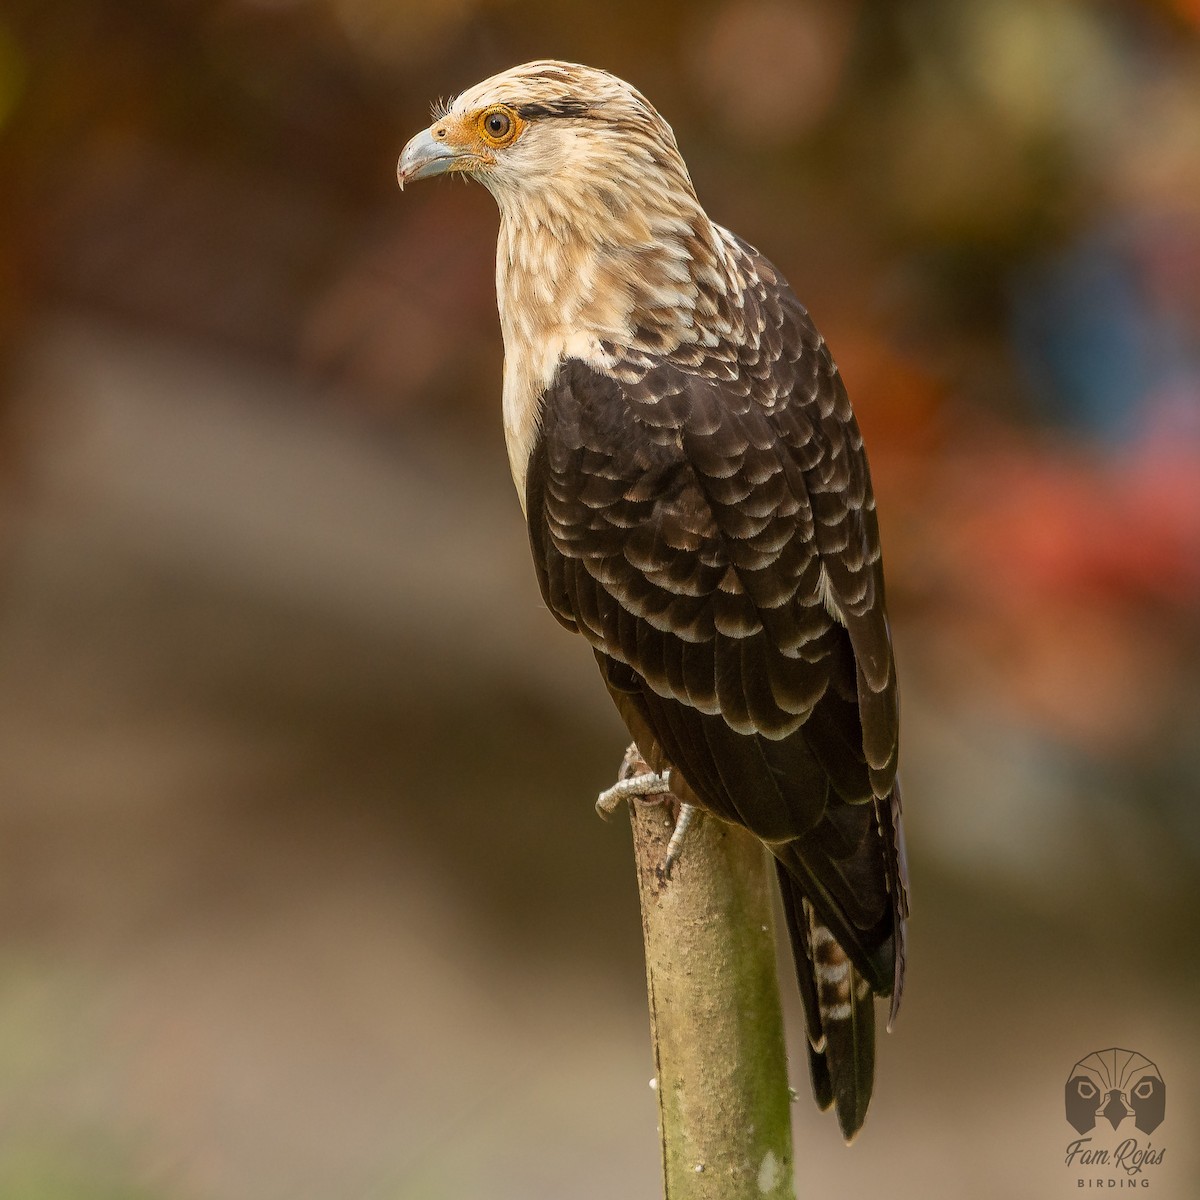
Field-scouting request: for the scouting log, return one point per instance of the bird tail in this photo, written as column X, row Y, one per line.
column 839, row 1012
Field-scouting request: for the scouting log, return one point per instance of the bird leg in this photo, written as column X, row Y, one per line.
column 638, row 782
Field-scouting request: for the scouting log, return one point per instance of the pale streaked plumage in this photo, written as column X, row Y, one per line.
column 604, row 250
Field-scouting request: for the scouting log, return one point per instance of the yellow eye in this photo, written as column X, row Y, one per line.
column 498, row 126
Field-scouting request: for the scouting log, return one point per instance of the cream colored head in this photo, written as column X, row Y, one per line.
column 601, row 234
column 551, row 125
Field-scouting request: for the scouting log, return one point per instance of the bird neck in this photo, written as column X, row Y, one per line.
column 605, row 277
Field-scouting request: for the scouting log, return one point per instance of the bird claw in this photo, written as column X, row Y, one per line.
column 635, row 787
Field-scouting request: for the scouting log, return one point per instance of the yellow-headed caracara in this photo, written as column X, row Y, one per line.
column 699, row 509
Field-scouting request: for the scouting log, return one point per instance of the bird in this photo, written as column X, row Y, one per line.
column 700, row 510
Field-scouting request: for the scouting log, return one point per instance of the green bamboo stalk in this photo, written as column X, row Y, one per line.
column 715, row 1020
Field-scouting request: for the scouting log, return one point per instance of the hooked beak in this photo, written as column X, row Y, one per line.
column 426, row 156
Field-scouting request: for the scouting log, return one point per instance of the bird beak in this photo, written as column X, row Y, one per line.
column 425, row 157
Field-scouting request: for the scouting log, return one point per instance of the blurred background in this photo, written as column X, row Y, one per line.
column 301, row 890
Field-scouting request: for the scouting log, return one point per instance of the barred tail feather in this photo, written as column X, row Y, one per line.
column 848, row 1017
column 839, row 1013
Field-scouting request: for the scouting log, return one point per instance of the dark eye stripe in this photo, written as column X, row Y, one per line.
column 566, row 107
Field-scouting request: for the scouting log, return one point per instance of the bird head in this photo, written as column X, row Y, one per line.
column 551, row 127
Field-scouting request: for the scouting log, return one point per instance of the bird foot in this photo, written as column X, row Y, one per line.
column 638, row 782
column 639, row 787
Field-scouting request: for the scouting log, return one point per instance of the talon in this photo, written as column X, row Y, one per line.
column 636, row 787
column 675, row 846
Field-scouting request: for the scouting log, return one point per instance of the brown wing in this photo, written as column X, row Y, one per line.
column 680, row 533
column 708, row 525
